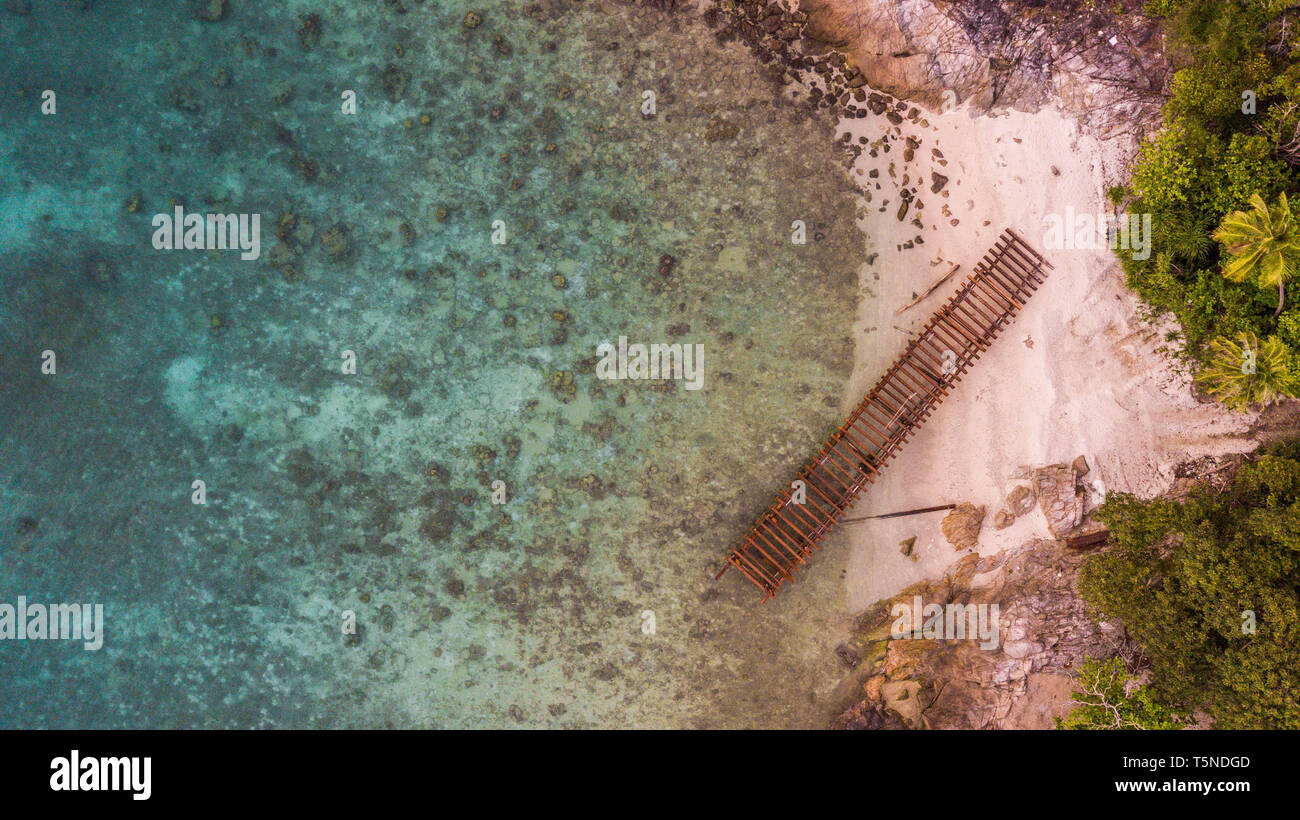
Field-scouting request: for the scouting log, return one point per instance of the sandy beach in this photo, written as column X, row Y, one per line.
column 1078, row 373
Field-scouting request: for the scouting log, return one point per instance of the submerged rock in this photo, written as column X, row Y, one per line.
column 211, row 11
column 720, row 130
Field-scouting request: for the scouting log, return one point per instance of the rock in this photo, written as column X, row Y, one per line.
column 185, row 98
column 472, row 19
column 1021, row 649
column 1080, row 466
column 873, row 654
column 848, row 656
column 1061, row 503
column 337, row 242
column 720, row 130
column 872, row 687
column 1020, row 500
column 211, row 11
column 902, row 697
column 666, row 264
column 1001, row 64
column 962, row 526
column 1003, row 519
column 904, row 657
column 937, row 181
column 395, row 81
column 309, row 31
column 907, row 546
column 1045, row 629
column 862, row 716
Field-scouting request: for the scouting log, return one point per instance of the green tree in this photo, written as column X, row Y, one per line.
column 1109, row 698
column 1242, row 371
column 1209, row 589
column 1262, row 243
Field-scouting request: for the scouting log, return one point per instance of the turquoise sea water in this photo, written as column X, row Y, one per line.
column 371, row 492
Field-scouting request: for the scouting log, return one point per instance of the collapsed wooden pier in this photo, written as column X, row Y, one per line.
column 788, row 532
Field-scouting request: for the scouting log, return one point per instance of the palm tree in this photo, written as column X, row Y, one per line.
column 1242, row 371
column 1262, row 242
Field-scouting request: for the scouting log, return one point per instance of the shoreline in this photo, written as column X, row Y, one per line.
column 1079, row 372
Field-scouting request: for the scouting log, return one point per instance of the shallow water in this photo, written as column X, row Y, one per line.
column 371, row 493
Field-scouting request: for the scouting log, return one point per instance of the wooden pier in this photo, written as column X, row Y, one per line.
column 788, row 532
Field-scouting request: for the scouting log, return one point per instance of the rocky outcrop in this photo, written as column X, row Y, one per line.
column 1102, row 59
column 1044, row 632
column 1058, row 497
column 962, row 526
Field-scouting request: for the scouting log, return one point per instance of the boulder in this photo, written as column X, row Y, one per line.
column 1058, row 498
column 1080, row 466
column 872, row 687
column 1003, row 519
column 962, row 526
column 1020, row 500
column 902, row 697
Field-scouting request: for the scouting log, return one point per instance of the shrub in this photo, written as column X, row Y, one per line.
column 1109, row 698
column 1190, row 579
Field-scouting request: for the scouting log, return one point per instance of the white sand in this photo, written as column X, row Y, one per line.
column 1079, row 372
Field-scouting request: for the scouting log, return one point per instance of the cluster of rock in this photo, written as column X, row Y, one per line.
column 1060, row 495
column 832, row 81
column 1056, row 489
column 1104, row 65
column 1094, row 59
column 1045, row 632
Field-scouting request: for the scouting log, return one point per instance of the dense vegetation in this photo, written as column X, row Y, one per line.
column 1215, row 181
column 1209, row 587
column 1108, row 697
column 1209, row 590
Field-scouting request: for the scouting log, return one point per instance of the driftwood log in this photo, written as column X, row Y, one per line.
column 929, row 290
